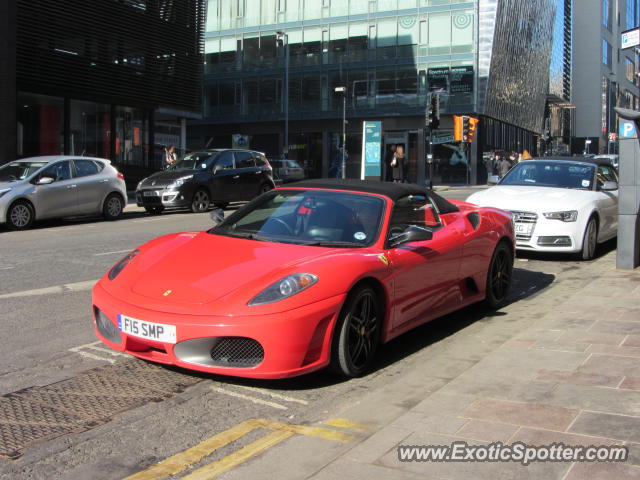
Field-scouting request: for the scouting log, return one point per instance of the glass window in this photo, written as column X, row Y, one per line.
column 269, row 11
column 244, row 160
column 213, row 15
column 462, row 30
column 629, row 69
column 357, row 7
column 312, row 9
column 58, row 171
column 311, row 94
column 358, row 41
column 131, row 136
column 408, row 30
column 439, row 32
column 338, row 41
column 251, row 50
column 225, row 161
column 387, row 32
column 412, row 210
column 606, row 53
column 606, row 14
column 19, row 170
column 40, row 125
column 90, row 129
column 387, row 5
column 84, row 168
column 605, row 174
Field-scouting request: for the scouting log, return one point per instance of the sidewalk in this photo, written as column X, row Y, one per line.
column 562, row 366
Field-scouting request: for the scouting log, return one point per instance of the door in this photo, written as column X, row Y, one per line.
column 225, row 181
column 60, row 198
column 426, row 273
column 92, row 186
column 607, row 203
column 249, row 174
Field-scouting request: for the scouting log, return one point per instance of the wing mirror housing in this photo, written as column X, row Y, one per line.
column 217, row 215
column 411, row 234
column 609, row 186
column 44, row 181
column 493, row 180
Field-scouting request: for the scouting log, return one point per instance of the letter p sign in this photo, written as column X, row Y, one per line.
column 627, row 129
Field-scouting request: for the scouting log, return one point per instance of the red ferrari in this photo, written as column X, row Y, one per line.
column 313, row 274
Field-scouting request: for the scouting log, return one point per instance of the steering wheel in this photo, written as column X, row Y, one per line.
column 282, row 223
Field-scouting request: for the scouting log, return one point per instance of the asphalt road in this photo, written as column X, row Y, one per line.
column 47, row 342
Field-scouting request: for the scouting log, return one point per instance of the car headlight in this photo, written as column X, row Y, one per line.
column 4, row 190
column 284, row 288
column 568, row 216
column 178, row 183
column 117, row 268
column 139, row 186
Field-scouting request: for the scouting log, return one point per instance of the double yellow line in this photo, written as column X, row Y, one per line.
column 279, row 432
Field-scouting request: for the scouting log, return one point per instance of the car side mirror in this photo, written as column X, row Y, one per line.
column 609, row 186
column 217, row 215
column 493, row 180
column 45, row 181
column 411, row 234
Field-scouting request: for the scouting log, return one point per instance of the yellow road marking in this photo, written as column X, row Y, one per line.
column 233, row 460
column 280, row 431
column 346, row 423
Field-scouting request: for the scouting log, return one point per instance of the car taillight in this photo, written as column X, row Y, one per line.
column 120, row 176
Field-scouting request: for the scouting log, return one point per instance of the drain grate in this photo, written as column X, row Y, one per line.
column 83, row 402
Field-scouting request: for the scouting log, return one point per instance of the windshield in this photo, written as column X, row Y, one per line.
column 194, row 161
column 14, row 171
column 551, row 174
column 308, row 217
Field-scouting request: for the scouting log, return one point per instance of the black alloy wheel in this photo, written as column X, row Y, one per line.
column 201, row 201
column 20, row 215
column 590, row 239
column 499, row 276
column 357, row 333
column 113, row 207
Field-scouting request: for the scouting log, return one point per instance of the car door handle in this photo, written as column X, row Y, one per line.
column 236, row 176
column 104, row 181
column 71, row 186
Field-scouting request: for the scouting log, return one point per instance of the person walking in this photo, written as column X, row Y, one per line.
column 388, row 169
column 398, row 164
column 170, row 156
column 504, row 167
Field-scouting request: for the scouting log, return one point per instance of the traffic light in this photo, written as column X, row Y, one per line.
column 433, row 112
column 471, row 130
column 465, row 128
column 457, row 128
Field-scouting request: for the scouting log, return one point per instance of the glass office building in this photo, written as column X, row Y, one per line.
column 375, row 60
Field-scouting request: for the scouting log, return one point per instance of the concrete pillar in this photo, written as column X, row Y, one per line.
column 8, row 88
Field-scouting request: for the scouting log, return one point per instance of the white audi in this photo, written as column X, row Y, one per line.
column 558, row 205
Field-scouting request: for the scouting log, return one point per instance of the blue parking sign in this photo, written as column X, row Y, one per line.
column 628, row 130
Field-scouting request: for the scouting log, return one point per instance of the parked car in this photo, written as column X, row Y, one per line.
column 59, row 186
column 318, row 273
column 559, row 205
column 287, row 170
column 202, row 179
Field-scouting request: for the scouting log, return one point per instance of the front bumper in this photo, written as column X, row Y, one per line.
column 552, row 236
column 294, row 342
column 161, row 198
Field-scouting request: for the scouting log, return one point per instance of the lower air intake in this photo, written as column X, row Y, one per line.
column 239, row 352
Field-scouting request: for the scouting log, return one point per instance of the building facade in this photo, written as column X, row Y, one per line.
column 114, row 79
column 606, row 79
column 375, row 60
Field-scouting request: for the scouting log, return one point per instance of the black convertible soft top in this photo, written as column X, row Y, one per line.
column 389, row 189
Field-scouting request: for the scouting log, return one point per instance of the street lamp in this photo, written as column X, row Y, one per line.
column 343, row 91
column 284, row 38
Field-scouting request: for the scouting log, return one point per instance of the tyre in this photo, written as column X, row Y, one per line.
column 154, row 210
column 499, row 276
column 201, row 201
column 221, row 205
column 20, row 215
column 590, row 239
column 357, row 333
column 113, row 207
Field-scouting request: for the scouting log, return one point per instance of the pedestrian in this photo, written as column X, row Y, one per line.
column 505, row 166
column 398, row 164
column 495, row 166
column 388, row 169
column 170, row 156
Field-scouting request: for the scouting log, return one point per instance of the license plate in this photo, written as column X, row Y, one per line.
column 524, row 228
column 150, row 193
column 149, row 330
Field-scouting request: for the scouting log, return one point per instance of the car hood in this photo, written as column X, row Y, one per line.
column 199, row 268
column 532, row 199
column 5, row 185
column 165, row 177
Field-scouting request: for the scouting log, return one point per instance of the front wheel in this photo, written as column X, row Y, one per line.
column 20, row 215
column 200, row 202
column 499, row 276
column 357, row 333
column 590, row 239
column 113, row 207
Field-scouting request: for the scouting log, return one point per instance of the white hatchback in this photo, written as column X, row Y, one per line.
column 558, row 205
column 59, row 186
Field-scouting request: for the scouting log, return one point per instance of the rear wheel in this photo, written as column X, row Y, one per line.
column 154, row 210
column 200, row 202
column 590, row 239
column 499, row 276
column 357, row 333
column 113, row 207
column 20, row 215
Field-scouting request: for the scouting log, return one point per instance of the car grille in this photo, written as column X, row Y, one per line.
column 239, row 352
column 526, row 218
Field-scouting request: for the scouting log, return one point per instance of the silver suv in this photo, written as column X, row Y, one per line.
column 59, row 186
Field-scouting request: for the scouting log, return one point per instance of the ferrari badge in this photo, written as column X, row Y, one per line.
column 383, row 258
column 167, row 293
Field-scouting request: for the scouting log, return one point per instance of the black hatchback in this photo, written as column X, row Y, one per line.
column 201, row 179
